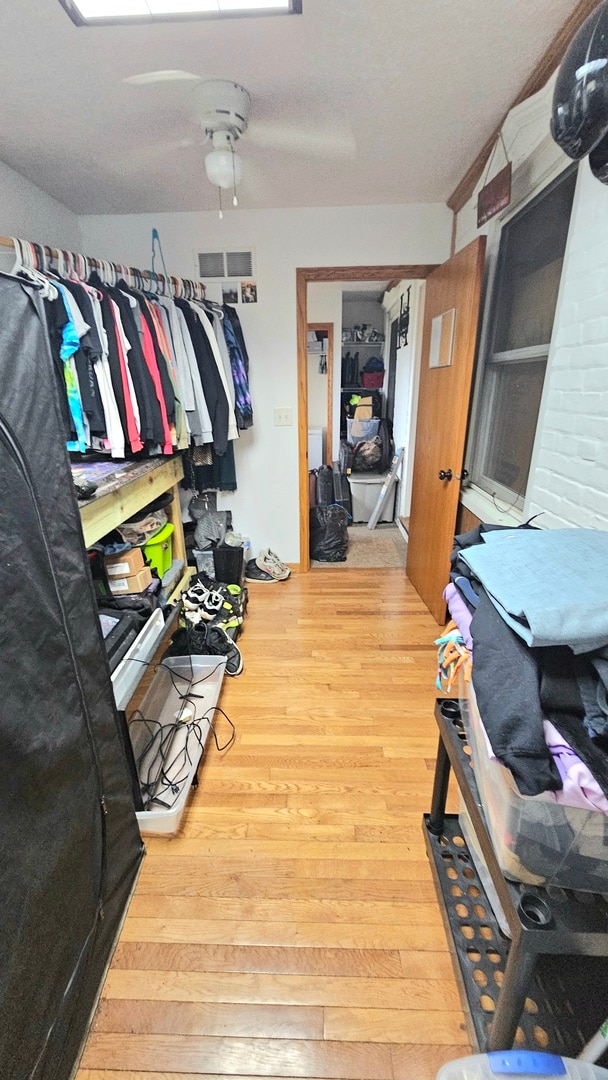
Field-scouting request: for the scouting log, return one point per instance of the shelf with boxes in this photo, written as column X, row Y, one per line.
column 124, row 489
column 545, row 984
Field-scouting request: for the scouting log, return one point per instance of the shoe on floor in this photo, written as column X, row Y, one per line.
column 211, row 606
column 253, row 573
column 194, row 596
column 219, row 643
column 271, row 564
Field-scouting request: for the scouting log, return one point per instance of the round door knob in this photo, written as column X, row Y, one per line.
column 445, row 474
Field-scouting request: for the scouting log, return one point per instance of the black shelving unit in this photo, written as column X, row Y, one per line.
column 545, row 987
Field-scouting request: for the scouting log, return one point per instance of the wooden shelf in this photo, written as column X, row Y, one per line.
column 128, row 490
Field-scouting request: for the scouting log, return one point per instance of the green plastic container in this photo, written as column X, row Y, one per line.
column 159, row 550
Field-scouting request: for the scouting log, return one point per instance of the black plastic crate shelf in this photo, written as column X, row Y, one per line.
column 547, row 985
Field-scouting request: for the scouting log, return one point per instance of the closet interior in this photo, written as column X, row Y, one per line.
column 355, row 470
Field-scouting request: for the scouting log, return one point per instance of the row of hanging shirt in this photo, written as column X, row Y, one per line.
column 139, row 371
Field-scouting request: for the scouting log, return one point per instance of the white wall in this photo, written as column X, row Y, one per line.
column 31, row 214
column 317, row 394
column 407, row 380
column 266, row 503
column 568, row 481
column 325, row 306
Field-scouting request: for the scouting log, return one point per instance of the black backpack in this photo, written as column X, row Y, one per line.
column 385, row 434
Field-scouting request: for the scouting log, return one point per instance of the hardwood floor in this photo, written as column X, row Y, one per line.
column 292, row 929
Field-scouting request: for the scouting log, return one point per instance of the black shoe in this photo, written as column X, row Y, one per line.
column 253, row 573
column 189, row 642
column 220, row 644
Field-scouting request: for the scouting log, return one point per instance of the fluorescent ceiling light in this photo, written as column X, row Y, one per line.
column 87, row 12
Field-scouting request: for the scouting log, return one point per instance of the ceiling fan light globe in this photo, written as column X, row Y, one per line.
column 223, row 168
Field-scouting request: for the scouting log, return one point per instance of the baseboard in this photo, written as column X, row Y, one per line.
column 402, row 530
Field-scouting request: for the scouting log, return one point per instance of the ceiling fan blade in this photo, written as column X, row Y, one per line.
column 322, row 141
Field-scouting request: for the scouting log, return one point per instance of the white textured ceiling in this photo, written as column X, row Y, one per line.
column 416, row 87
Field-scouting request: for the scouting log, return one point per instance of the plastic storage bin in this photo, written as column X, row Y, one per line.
column 201, row 676
column 363, row 430
column 536, row 840
column 525, row 1064
column 365, row 489
column 159, row 550
column 476, row 854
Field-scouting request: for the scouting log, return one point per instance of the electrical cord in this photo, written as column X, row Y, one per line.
column 159, row 773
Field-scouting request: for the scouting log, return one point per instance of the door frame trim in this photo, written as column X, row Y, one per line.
column 328, row 329
column 304, row 274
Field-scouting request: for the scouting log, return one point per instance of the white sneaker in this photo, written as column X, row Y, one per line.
column 271, row 564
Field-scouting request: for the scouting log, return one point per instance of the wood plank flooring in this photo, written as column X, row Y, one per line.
column 292, row 929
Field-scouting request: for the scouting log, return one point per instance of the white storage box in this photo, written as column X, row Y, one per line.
column 536, row 840
column 361, row 430
column 315, row 448
column 525, row 1064
column 168, row 703
column 365, row 489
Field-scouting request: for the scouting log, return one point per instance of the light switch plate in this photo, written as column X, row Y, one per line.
column 283, row 417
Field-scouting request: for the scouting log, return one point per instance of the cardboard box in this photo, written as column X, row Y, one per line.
column 126, row 564
column 135, row 583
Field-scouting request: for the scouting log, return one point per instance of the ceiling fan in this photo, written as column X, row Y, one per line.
column 222, row 109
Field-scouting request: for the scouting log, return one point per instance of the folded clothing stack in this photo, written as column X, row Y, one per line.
column 533, row 607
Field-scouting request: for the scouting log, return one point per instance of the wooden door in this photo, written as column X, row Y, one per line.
column 443, row 409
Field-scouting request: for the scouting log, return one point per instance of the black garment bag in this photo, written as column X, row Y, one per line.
column 69, row 843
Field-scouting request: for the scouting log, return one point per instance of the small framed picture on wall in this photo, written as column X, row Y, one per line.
column 230, row 292
column 249, row 292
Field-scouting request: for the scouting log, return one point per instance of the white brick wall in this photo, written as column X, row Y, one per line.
column 569, row 482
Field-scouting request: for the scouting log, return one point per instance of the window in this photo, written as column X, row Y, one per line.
column 521, row 316
column 91, row 12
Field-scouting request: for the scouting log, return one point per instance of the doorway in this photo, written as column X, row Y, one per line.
column 351, row 277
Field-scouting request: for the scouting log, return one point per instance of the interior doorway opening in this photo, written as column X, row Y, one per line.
column 371, row 381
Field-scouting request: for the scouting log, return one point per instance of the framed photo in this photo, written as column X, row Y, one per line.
column 249, row 292
column 230, row 292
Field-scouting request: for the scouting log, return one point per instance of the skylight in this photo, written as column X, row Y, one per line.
column 91, row 12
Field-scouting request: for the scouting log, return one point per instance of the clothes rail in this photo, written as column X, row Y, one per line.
column 81, row 265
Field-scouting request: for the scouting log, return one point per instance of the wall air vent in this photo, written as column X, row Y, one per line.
column 216, row 265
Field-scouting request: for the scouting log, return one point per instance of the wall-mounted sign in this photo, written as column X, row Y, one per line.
column 495, row 196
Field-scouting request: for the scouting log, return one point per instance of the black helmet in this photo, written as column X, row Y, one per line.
column 598, row 160
column 580, row 101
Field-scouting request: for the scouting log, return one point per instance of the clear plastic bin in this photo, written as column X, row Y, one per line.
column 361, row 430
column 525, row 1064
column 183, row 689
column 536, row 840
column 470, row 838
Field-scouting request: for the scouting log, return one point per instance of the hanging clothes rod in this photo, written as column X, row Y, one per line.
column 171, row 286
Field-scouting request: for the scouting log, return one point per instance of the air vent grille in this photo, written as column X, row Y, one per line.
column 225, row 264
column 239, row 264
column 211, row 264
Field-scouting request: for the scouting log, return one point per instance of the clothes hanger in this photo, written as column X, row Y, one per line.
column 25, row 259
